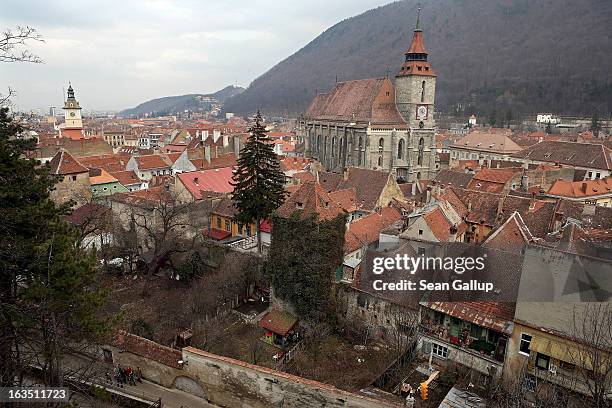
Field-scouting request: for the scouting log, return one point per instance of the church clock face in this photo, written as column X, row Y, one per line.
column 421, row 113
column 72, row 114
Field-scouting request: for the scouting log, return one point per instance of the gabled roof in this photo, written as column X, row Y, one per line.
column 126, row 178
column 108, row 162
column 368, row 185
column 346, row 199
column 588, row 155
column 310, row 199
column 511, row 236
column 489, row 142
column 366, row 230
column 152, row 161
column 278, row 321
column 363, row 100
column 100, row 176
column 226, row 207
column 63, row 163
column 453, row 178
column 216, row 180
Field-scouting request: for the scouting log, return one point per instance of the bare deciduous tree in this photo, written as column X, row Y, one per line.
column 592, row 356
column 13, row 42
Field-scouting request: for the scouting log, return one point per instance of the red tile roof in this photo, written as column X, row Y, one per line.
column 63, row 163
column 365, row 100
column 308, row 200
column 216, row 180
column 492, row 315
column 278, row 321
column 126, row 178
column 153, row 161
column 218, row 234
column 366, row 230
column 581, row 189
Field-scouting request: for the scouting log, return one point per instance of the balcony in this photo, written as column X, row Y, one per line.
column 465, row 345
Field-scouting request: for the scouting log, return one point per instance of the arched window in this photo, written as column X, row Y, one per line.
column 400, row 149
column 318, row 143
column 421, row 151
column 360, row 143
column 333, row 151
column 380, row 161
column 341, row 148
column 381, row 143
column 419, row 175
column 423, row 91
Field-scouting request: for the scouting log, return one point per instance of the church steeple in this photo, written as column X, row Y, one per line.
column 415, row 62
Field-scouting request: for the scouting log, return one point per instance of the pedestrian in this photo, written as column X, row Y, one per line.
column 130, row 375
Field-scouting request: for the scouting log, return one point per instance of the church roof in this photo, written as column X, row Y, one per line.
column 362, row 100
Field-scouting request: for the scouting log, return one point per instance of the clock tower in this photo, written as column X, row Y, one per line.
column 415, row 90
column 72, row 111
column 416, row 85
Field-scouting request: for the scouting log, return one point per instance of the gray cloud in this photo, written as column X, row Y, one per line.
column 120, row 53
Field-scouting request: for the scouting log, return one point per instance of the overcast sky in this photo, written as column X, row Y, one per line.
column 120, row 53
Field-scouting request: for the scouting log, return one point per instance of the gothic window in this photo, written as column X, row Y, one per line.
column 400, row 149
column 381, row 143
column 341, row 148
column 423, row 91
column 380, row 161
column 360, row 143
column 333, row 151
column 319, row 143
column 419, row 175
column 421, row 148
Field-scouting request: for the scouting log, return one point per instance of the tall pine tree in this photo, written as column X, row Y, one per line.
column 258, row 180
column 48, row 294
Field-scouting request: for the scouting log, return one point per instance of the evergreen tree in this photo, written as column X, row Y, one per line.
column 44, row 275
column 258, row 181
column 595, row 123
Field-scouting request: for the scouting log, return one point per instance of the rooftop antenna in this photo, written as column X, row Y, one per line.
column 336, row 78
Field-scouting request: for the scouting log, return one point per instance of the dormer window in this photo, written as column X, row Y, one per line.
column 299, row 206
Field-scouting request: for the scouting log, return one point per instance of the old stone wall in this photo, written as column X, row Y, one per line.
column 228, row 382
column 233, row 383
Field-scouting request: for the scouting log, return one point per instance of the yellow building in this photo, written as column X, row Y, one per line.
column 223, row 225
column 547, row 348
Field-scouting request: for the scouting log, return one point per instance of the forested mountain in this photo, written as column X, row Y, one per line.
column 175, row 104
column 506, row 55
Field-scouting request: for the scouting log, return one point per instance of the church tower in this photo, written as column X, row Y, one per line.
column 416, row 84
column 415, row 90
column 72, row 111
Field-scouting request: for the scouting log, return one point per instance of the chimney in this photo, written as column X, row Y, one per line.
column 237, row 146
column 524, row 181
column 469, row 206
column 345, row 174
column 195, row 180
column 207, row 153
column 216, row 135
column 204, row 134
column 225, row 140
column 452, row 237
column 500, row 205
column 532, row 201
column 414, row 186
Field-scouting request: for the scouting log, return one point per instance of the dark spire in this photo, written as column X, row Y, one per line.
column 70, row 91
column 418, row 23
